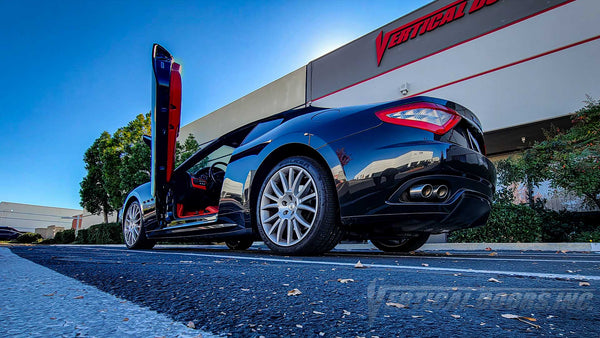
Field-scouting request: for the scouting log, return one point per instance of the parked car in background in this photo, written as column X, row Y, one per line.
column 8, row 233
column 303, row 179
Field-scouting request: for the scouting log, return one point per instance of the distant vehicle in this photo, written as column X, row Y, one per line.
column 303, row 179
column 8, row 233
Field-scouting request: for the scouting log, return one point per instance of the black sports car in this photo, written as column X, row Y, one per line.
column 303, row 179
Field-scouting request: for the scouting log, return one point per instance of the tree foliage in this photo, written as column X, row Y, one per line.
column 117, row 164
column 569, row 160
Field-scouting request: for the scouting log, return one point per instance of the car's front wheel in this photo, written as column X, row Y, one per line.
column 406, row 244
column 133, row 228
column 297, row 208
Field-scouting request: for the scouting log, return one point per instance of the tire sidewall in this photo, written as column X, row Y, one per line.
column 315, row 170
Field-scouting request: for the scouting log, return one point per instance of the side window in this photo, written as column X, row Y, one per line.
column 222, row 154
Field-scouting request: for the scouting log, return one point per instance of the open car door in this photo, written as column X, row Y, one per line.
column 166, row 114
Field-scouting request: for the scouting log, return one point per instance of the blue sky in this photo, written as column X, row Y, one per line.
column 72, row 69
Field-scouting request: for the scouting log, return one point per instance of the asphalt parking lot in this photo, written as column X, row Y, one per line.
column 255, row 293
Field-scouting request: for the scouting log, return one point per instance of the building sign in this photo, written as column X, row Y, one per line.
column 425, row 24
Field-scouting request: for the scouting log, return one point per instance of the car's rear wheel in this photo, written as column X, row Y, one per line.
column 297, row 208
column 133, row 228
column 239, row 244
column 401, row 245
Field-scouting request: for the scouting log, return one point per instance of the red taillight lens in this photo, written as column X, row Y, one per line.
column 423, row 115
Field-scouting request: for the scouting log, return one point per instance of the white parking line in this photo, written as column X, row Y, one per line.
column 487, row 257
column 384, row 266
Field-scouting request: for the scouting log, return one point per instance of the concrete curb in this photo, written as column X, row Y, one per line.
column 586, row 247
column 591, row 247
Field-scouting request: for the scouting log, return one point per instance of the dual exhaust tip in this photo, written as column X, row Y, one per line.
column 427, row 191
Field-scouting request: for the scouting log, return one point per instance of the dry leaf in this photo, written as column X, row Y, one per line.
column 494, row 280
column 448, row 254
column 78, row 297
column 455, row 316
column 345, row 280
column 245, row 289
column 125, row 319
column 529, row 319
column 318, row 313
column 50, row 294
column 347, row 313
column 493, row 254
column 299, row 326
column 488, row 249
column 417, row 316
column 398, row 305
column 294, row 292
column 359, row 265
column 411, row 252
column 454, row 288
column 321, row 334
column 584, row 284
column 53, row 318
column 509, row 316
column 424, row 264
column 191, row 325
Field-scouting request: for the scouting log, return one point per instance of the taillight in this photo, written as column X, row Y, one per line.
column 423, row 115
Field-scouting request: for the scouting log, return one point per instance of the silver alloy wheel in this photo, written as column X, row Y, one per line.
column 133, row 224
column 288, row 205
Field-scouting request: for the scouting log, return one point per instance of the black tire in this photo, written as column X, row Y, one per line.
column 320, row 212
column 133, row 218
column 239, row 244
column 401, row 245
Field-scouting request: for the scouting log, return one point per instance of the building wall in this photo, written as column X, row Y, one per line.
column 27, row 217
column 283, row 94
column 536, row 69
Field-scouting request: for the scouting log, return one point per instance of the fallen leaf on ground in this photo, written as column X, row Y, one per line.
column 488, row 249
column 417, row 316
column 359, row 265
column 299, row 326
column 398, row 305
column 318, row 313
column 53, row 318
column 448, row 254
column 424, row 264
column 294, row 292
column 191, row 325
column 245, row 289
column 455, row 316
column 526, row 320
column 50, row 294
column 347, row 313
column 584, row 284
column 125, row 319
column 78, row 297
column 454, row 288
column 494, row 280
column 493, row 254
column 345, row 280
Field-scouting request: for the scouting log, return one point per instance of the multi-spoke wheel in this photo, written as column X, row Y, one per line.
column 133, row 228
column 296, row 208
column 401, row 245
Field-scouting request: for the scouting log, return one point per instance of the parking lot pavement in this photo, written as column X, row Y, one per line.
column 38, row 302
column 250, row 293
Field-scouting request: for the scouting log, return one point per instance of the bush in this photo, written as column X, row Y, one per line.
column 586, row 236
column 82, row 236
column 105, row 233
column 28, row 237
column 48, row 241
column 508, row 223
column 65, row 237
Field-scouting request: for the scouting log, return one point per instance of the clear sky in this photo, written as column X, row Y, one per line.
column 72, row 69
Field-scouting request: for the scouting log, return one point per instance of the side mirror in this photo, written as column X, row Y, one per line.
column 148, row 140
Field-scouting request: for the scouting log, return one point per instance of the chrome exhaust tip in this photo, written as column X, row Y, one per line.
column 421, row 191
column 441, row 191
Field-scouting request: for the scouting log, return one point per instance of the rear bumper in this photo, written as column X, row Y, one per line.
column 375, row 204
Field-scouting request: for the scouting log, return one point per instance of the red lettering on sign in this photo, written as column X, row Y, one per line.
column 479, row 4
column 424, row 24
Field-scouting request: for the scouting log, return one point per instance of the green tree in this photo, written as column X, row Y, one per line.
column 569, row 159
column 184, row 151
column 94, row 197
